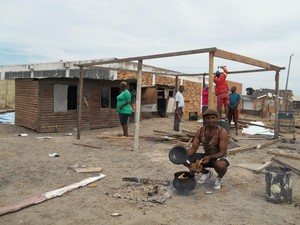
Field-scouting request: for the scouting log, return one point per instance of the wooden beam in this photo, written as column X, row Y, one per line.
column 211, row 82
column 286, row 147
column 284, row 154
column 251, row 124
column 262, row 167
column 89, row 170
column 174, row 73
column 138, row 107
column 87, row 145
column 295, row 170
column 252, row 71
column 240, row 149
column 268, row 143
column 116, row 137
column 79, row 102
column 246, row 148
column 276, row 124
column 162, row 55
column 255, row 167
column 48, row 195
column 243, row 59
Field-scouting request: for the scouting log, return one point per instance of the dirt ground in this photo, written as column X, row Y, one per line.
column 26, row 170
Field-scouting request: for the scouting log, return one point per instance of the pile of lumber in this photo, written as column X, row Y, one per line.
column 184, row 138
column 244, row 123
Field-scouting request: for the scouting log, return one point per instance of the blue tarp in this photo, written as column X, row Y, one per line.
column 8, row 118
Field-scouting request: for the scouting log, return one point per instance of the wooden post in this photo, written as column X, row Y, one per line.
column 79, row 102
column 211, row 73
column 176, row 89
column 138, row 106
column 276, row 128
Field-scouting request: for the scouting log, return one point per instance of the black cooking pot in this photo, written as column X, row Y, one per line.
column 178, row 154
column 184, row 182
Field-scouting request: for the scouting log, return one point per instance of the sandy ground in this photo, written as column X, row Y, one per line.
column 26, row 170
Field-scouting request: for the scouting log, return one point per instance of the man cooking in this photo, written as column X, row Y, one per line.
column 214, row 141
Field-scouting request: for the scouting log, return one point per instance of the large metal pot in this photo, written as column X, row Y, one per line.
column 184, row 182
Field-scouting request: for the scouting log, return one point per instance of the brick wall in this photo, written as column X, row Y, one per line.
column 192, row 97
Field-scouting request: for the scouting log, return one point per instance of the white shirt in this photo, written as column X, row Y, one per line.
column 179, row 98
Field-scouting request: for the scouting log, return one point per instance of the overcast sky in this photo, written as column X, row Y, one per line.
column 36, row 31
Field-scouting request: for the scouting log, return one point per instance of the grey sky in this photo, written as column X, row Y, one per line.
column 35, row 31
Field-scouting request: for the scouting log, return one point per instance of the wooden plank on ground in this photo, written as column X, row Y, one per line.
column 176, row 134
column 189, row 132
column 89, row 170
column 286, row 147
column 48, row 195
column 249, row 166
column 284, row 154
column 281, row 162
column 251, row 124
column 115, row 137
column 262, row 167
column 190, row 141
column 246, row 148
column 87, row 145
column 268, row 143
column 157, row 138
column 255, row 167
column 124, row 144
column 240, row 149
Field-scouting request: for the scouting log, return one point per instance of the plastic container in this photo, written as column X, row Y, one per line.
column 224, row 123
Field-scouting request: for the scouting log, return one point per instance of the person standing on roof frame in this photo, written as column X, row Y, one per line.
column 221, row 90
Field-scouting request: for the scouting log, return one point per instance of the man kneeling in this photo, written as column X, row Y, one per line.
column 214, row 141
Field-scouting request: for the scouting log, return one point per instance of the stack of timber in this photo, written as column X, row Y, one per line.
column 184, row 138
column 243, row 123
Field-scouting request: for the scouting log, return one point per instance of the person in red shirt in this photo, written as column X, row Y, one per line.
column 221, row 90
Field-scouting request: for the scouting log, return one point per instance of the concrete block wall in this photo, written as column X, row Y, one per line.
column 7, row 94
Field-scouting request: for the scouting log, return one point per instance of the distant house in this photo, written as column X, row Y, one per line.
column 261, row 102
column 50, row 104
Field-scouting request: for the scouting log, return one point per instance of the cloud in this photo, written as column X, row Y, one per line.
column 41, row 31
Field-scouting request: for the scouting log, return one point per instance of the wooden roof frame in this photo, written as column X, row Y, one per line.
column 213, row 52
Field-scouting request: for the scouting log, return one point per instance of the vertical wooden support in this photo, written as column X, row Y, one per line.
column 176, row 84
column 211, row 82
column 138, row 106
column 79, row 102
column 276, row 128
column 176, row 89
